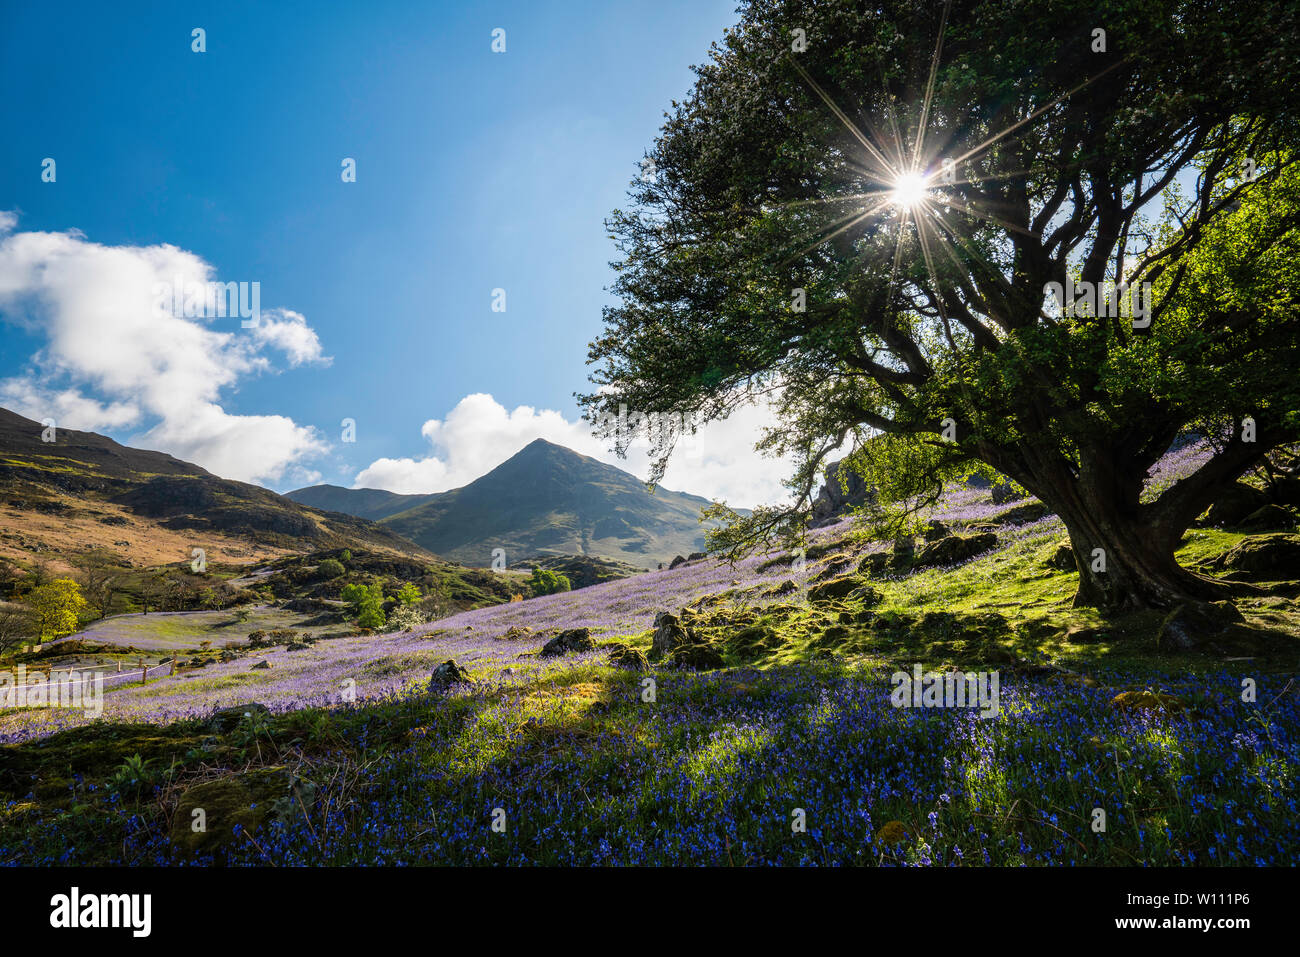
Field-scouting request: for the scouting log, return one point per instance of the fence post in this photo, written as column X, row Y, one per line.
column 144, row 674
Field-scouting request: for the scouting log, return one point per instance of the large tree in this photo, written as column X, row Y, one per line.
column 859, row 212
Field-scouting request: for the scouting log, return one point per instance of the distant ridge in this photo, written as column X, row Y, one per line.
column 371, row 503
column 546, row 500
column 84, row 491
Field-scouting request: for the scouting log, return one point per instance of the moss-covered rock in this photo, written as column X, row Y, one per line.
column 625, row 656
column 834, row 588
column 701, row 656
column 955, row 549
column 569, row 641
column 209, row 813
column 1192, row 625
column 1265, row 558
column 1062, row 557
column 1130, row 702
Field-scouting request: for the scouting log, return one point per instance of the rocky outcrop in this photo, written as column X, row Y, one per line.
column 569, row 641
column 214, row 814
column 842, row 492
column 1004, row 492
column 1263, row 558
column 669, row 634
column 1235, row 503
column 625, row 656
column 1269, row 518
column 701, row 656
column 448, row 674
column 955, row 549
column 1195, row 624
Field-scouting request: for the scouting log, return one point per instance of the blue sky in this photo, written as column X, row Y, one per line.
column 475, row 171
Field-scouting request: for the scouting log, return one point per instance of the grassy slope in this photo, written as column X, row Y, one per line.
column 711, row 772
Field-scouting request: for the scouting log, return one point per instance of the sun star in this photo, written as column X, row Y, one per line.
column 909, row 190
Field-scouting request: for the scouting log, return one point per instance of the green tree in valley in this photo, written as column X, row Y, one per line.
column 546, row 582
column 365, row 604
column 58, row 606
column 862, row 211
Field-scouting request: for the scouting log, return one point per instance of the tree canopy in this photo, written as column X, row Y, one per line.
column 870, row 215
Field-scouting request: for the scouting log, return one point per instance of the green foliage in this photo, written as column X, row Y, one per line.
column 933, row 325
column 330, row 568
column 133, row 777
column 57, row 606
column 546, row 582
column 408, row 594
column 365, row 604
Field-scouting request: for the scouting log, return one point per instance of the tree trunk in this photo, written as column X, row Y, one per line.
column 1123, row 550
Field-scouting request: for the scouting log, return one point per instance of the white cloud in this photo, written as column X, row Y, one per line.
column 288, row 331
column 67, row 407
column 8, row 220
column 718, row 462
column 94, row 305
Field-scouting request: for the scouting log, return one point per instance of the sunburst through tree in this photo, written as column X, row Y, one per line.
column 867, row 227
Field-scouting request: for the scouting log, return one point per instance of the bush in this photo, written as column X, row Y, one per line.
column 329, row 568
column 405, row 618
column 545, row 582
column 366, row 604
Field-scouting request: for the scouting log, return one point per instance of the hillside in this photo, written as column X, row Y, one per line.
column 371, row 503
column 545, row 500
column 86, row 492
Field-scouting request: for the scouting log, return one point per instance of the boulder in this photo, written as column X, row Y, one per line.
column 696, row 556
column 448, row 674
column 1264, row 558
column 700, row 656
column 246, row 800
column 834, row 588
column 669, row 635
column 569, row 641
column 786, row 587
column 1236, row 502
column 227, row 719
column 517, row 633
column 903, row 554
column 834, row 566
column 935, row 530
column 842, row 492
column 1062, row 558
column 679, row 560
column 956, row 549
column 1269, row 518
column 1004, row 492
column 625, row 656
column 262, row 665
column 875, row 564
column 1191, row 625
